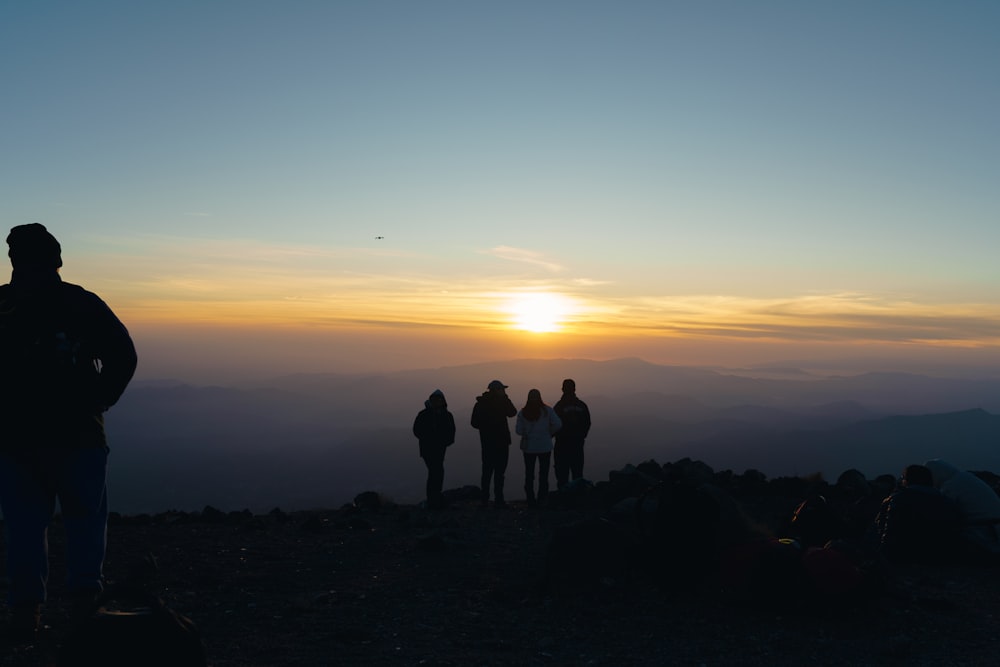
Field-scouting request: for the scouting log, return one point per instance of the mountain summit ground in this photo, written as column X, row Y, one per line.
column 381, row 584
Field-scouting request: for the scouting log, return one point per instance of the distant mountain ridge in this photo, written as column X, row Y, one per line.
column 307, row 440
column 969, row 439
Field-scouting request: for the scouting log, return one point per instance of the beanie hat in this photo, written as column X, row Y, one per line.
column 33, row 245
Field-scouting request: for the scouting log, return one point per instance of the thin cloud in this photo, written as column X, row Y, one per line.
column 524, row 256
column 395, row 305
column 589, row 282
column 255, row 283
column 834, row 318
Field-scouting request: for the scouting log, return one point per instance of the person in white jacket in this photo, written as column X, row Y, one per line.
column 536, row 424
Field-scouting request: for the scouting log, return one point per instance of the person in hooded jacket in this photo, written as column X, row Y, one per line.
column 536, row 424
column 489, row 416
column 434, row 428
column 979, row 504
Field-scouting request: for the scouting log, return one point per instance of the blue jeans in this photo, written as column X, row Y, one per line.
column 28, row 493
column 543, row 475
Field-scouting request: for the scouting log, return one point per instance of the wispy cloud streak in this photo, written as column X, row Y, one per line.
column 524, row 256
column 250, row 284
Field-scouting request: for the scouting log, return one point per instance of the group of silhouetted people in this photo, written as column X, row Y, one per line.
column 841, row 546
column 939, row 514
column 936, row 514
column 537, row 424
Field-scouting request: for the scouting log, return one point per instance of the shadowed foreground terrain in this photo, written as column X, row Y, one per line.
column 378, row 584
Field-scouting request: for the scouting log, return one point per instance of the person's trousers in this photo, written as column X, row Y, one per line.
column 543, row 475
column 495, row 458
column 567, row 459
column 28, row 493
column 435, row 477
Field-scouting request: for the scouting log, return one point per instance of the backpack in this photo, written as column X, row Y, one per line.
column 44, row 358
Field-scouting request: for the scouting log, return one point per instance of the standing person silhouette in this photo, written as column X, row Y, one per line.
column 66, row 359
column 435, row 431
column 536, row 422
column 489, row 416
column 568, row 452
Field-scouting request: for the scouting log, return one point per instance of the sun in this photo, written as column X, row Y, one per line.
column 539, row 312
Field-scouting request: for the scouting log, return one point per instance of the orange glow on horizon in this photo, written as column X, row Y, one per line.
column 477, row 315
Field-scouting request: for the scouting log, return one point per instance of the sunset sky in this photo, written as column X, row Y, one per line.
column 285, row 186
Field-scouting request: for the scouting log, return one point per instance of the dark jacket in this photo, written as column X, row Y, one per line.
column 490, row 415
column 435, row 430
column 65, row 358
column 575, row 416
column 917, row 524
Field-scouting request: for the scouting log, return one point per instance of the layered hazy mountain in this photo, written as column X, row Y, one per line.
column 317, row 440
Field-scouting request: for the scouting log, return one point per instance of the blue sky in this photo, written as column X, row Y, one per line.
column 785, row 173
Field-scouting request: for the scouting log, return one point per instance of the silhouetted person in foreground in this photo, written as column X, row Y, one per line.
column 435, row 430
column 489, row 416
column 917, row 524
column 66, row 359
column 536, row 423
column 568, row 451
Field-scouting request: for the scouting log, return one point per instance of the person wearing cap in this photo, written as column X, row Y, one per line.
column 434, row 428
column 568, row 451
column 489, row 416
column 66, row 358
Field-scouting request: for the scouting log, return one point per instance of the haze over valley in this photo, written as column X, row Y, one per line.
column 317, row 440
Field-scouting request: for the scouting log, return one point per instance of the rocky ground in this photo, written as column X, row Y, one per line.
column 391, row 585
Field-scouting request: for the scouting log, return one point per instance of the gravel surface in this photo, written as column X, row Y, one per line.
column 399, row 585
